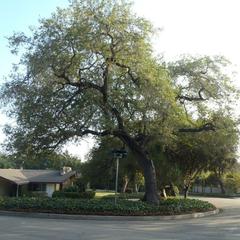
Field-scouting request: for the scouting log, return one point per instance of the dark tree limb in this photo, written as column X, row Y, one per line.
column 199, row 98
column 205, row 127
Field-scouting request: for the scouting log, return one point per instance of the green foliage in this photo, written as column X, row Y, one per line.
column 176, row 191
column 35, row 194
column 215, row 151
column 28, row 159
column 211, row 180
column 6, row 161
column 167, row 171
column 198, row 79
column 104, row 207
column 79, row 184
column 100, row 168
column 71, row 189
column 73, row 194
column 125, row 195
column 90, row 69
column 232, row 183
column 82, row 63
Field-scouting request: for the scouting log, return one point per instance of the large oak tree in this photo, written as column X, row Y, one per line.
column 90, row 70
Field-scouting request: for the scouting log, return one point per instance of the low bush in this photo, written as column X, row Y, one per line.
column 35, row 194
column 131, row 195
column 75, row 195
column 125, row 196
column 104, row 206
column 80, row 185
column 73, row 188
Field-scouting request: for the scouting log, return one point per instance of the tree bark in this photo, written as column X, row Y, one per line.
column 136, row 188
column 185, row 191
column 126, row 181
column 221, row 186
column 151, row 192
column 138, row 150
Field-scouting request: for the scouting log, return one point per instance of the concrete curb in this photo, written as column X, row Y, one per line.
column 108, row 218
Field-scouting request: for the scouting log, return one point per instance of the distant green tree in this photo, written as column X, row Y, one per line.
column 222, row 147
column 231, row 183
column 45, row 160
column 214, row 151
column 100, row 169
column 6, row 161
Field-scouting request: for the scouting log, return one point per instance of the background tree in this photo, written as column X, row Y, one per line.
column 45, row 160
column 90, row 69
column 214, row 151
column 6, row 161
column 100, row 169
column 190, row 157
column 222, row 147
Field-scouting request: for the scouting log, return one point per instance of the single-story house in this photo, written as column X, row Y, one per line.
column 17, row 182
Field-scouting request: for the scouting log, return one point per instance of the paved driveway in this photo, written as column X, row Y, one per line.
column 225, row 225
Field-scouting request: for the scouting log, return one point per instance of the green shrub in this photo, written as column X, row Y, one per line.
column 73, row 188
column 129, row 190
column 125, row 196
column 232, row 183
column 35, row 194
column 176, row 190
column 61, row 194
column 80, row 185
column 131, row 195
column 88, row 194
column 104, row 207
column 76, row 195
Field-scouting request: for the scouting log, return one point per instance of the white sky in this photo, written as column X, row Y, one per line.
column 203, row 27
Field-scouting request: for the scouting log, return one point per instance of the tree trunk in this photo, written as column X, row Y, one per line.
column 221, row 186
column 185, row 191
column 136, row 188
column 126, row 181
column 151, row 193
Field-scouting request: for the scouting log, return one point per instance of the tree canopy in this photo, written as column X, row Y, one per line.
column 90, row 69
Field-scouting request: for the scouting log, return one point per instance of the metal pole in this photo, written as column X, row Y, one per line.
column 116, row 181
column 17, row 190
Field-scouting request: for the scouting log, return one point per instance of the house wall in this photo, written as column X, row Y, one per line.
column 52, row 187
column 46, row 189
column 68, row 183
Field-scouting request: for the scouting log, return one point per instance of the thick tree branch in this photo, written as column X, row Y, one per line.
column 95, row 133
column 82, row 84
column 199, row 98
column 129, row 71
column 205, row 127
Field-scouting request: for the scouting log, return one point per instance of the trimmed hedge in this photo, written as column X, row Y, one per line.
column 125, row 196
column 104, row 206
column 75, row 195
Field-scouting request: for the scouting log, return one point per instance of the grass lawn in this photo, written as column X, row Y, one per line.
column 100, row 194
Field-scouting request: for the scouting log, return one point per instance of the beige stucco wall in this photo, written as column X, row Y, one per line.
column 68, row 183
column 50, row 188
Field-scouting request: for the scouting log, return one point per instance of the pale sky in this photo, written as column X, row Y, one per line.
column 202, row 27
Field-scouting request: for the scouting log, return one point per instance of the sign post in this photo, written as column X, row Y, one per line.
column 118, row 154
column 116, row 181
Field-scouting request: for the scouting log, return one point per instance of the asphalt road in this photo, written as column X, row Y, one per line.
column 225, row 225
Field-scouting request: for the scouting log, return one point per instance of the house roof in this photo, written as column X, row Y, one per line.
column 24, row 176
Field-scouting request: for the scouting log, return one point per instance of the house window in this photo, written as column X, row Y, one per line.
column 37, row 187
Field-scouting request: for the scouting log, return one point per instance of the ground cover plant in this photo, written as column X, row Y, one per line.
column 104, row 206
